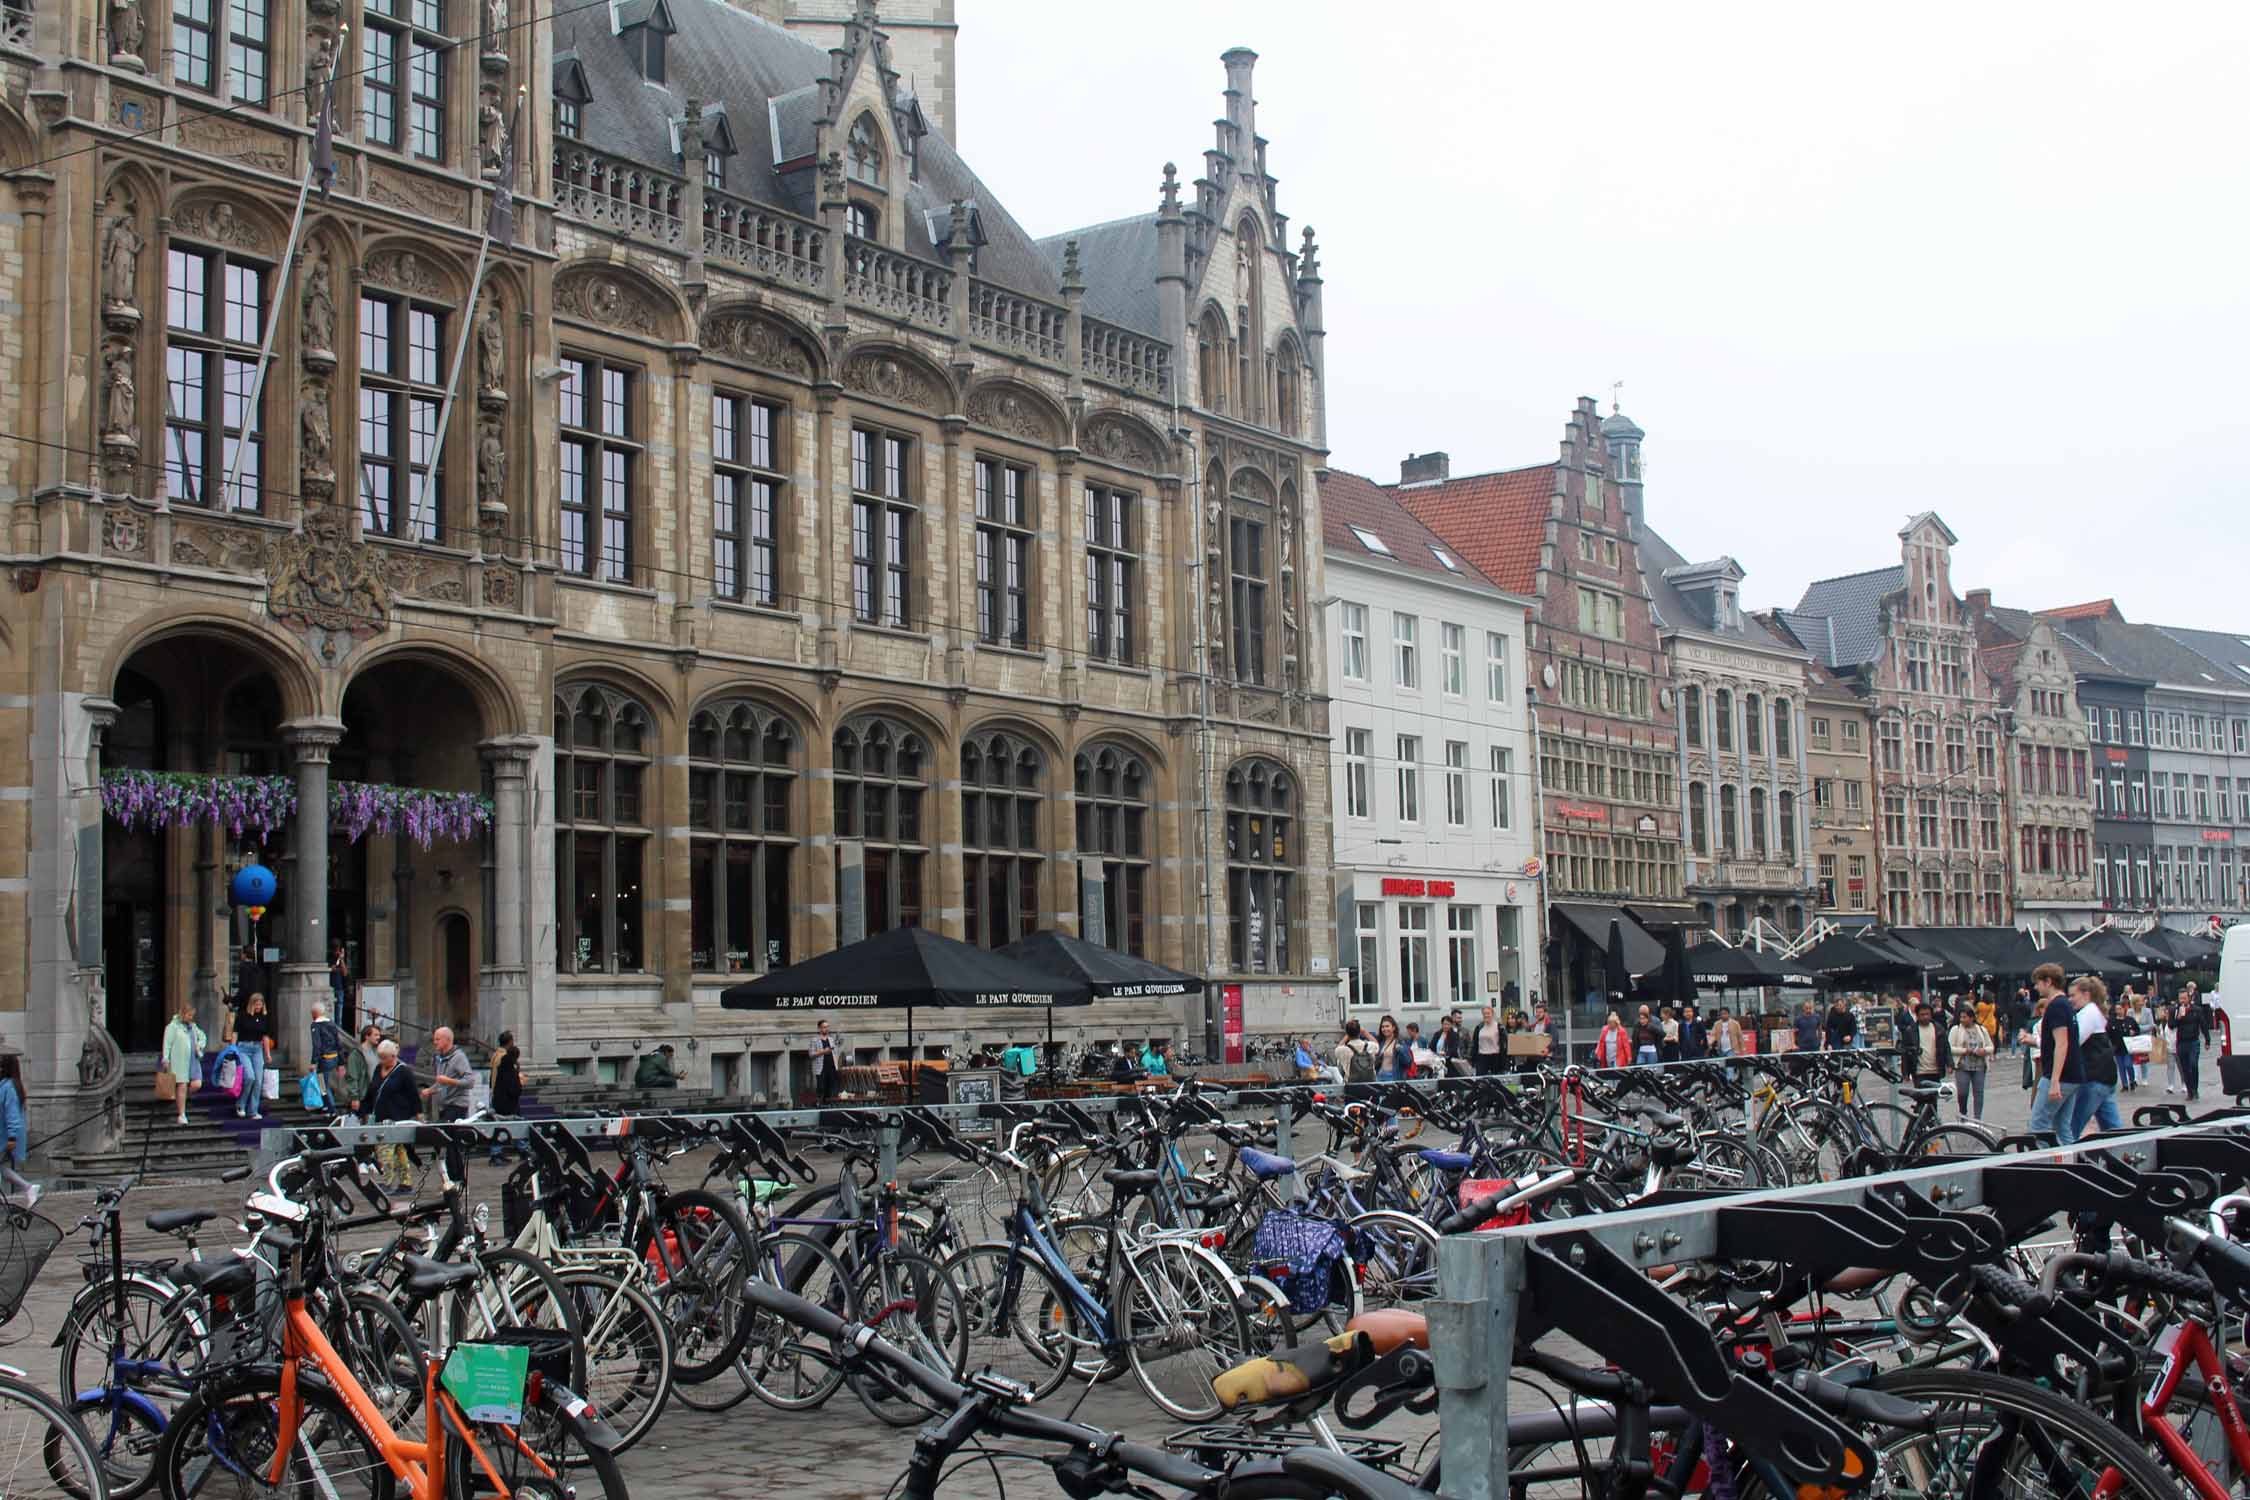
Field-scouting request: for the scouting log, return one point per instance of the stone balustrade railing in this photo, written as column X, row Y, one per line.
column 618, row 194
column 1124, row 358
column 899, row 284
column 1009, row 320
column 766, row 240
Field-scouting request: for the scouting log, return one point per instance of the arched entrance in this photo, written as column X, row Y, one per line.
column 204, row 703
column 459, row 1007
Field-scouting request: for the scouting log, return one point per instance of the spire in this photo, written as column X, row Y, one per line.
column 1169, row 204
column 1308, row 258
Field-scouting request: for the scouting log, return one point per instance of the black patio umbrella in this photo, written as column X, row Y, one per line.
column 1715, row 964
column 2147, row 958
column 1842, row 958
column 1108, row 974
column 902, row 969
column 1679, row 976
column 1620, row 977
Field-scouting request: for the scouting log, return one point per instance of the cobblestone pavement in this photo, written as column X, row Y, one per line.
column 840, row 1451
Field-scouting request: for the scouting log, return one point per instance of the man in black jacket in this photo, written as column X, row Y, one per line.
column 1924, row 1047
column 1841, row 1025
column 1695, row 1035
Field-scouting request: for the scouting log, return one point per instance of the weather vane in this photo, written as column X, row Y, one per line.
column 1614, row 387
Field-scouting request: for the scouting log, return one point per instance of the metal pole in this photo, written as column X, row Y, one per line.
column 273, row 317
column 445, row 407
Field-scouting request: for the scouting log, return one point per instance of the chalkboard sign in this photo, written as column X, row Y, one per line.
column 973, row 1085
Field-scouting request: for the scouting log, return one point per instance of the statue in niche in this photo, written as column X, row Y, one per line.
column 128, row 28
column 119, row 405
column 1242, row 273
column 317, row 438
column 319, row 308
column 495, row 24
column 494, row 127
column 492, row 355
column 121, row 264
column 492, row 464
column 319, row 63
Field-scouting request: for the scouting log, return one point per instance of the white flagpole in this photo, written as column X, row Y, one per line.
column 274, row 305
column 445, row 407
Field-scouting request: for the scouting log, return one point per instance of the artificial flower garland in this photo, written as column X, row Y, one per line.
column 261, row 805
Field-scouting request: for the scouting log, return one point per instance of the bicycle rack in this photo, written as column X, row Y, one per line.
column 1591, row 1279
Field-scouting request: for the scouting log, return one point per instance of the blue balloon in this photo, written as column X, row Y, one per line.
column 253, row 885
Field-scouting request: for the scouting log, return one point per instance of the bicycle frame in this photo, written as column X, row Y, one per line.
column 2183, row 1345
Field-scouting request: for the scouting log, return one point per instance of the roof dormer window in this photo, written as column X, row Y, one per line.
column 572, row 95
column 1371, row 541
column 568, row 121
column 644, row 24
column 859, row 221
column 652, row 54
column 863, row 152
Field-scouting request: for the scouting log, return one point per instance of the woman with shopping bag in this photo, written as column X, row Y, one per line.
column 184, row 1044
column 253, row 1036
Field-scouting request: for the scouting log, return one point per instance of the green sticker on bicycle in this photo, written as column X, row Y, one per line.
column 488, row 1380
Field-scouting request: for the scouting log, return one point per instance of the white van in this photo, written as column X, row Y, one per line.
column 2232, row 998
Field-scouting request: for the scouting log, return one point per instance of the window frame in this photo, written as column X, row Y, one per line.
column 404, row 397
column 234, row 358
column 1113, row 566
column 1359, row 756
column 895, row 859
column 1116, row 826
column 1002, row 878
column 1248, row 590
column 586, row 380
column 751, row 553
column 1004, row 564
column 1456, row 783
column 761, row 731
column 1453, row 659
column 886, row 578
column 413, row 118
column 1352, row 629
column 1409, row 763
column 1263, row 862
column 612, row 826
column 1406, row 648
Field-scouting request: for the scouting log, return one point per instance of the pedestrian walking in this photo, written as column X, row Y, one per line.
column 2162, row 1048
column 1972, row 1059
column 1390, row 1051
column 15, row 1129
column 1806, row 1028
column 1841, row 1025
column 2095, row 1104
column 450, row 1078
column 359, row 1069
column 2124, row 1028
column 2191, row 1030
column 1613, row 1048
column 2061, row 1071
column 391, row 1099
column 184, row 1045
column 327, row 1042
column 827, row 1071
column 1491, row 1044
column 253, row 1044
column 1648, row 1037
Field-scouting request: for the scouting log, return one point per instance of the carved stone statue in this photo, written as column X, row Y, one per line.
column 319, row 61
column 119, row 421
column 495, row 24
column 1242, row 273
column 493, row 126
column 492, row 464
column 492, row 353
column 127, row 28
column 317, row 439
column 319, row 308
column 121, row 264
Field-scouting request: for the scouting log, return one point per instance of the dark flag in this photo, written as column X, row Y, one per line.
column 500, row 217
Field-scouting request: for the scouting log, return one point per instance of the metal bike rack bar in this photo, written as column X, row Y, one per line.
column 1482, row 1276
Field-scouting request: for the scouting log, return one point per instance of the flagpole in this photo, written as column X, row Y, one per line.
column 273, row 315
column 503, row 183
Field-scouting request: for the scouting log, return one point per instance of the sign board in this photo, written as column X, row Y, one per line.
column 1646, row 823
column 1582, row 811
column 1395, row 886
column 378, row 1006
column 1230, row 1020
column 1319, row 964
column 1529, row 1044
column 488, row 1380
column 972, row 1085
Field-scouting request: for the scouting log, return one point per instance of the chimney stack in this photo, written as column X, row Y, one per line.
column 1980, row 602
column 1242, row 107
column 1424, row 468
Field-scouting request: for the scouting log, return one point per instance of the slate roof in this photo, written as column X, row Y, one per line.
column 2142, row 652
column 1839, row 619
column 1117, row 261
column 2231, row 653
column 736, row 62
column 1348, row 500
column 1497, row 521
column 2084, row 660
column 1686, row 611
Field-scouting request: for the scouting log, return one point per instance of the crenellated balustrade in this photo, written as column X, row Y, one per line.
column 618, row 194
column 1009, row 320
column 1124, row 358
column 898, row 284
column 767, row 241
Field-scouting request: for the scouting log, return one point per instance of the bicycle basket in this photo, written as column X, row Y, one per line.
column 1307, row 1247
column 553, row 1350
column 26, row 1240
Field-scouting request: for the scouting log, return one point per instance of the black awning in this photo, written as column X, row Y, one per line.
column 905, row 968
column 1112, row 975
column 1644, row 955
column 1715, row 964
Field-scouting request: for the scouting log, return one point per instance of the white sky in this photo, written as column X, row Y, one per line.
column 1851, row 263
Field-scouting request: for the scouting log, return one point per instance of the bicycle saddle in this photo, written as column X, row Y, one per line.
column 428, row 1278
column 1288, row 1374
column 1388, row 1328
column 1921, row 1093
column 1446, row 1161
column 220, row 1277
column 1264, row 1164
column 1131, row 1182
column 179, row 1218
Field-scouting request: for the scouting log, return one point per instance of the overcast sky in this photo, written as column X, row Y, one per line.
column 1986, row 259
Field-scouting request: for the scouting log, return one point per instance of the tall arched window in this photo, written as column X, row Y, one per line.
column 1691, row 715
column 1261, row 866
column 1785, row 823
column 1288, row 388
column 1753, row 725
column 1001, row 778
column 1699, row 817
column 1730, row 843
column 742, row 782
column 1758, row 838
column 1722, row 719
column 880, row 778
column 1112, row 827
column 601, row 829
column 1784, row 729
column 1250, row 260
column 1211, row 361
column 863, row 152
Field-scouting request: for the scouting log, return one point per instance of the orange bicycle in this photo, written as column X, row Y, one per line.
column 497, row 1421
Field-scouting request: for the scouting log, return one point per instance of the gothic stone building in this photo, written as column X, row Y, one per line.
column 798, row 514
column 2052, row 788
column 1566, row 535
column 1903, row 640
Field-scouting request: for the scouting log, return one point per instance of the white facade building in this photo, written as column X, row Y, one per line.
column 1436, row 797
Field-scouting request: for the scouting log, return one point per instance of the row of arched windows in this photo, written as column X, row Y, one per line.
column 1739, row 833
column 1724, row 730
column 746, row 830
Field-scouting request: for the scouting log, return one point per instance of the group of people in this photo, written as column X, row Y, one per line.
column 1453, row 1050
column 1667, row 1034
column 2084, row 1057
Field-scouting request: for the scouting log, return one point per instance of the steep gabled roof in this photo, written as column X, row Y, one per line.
column 1497, row 521
column 2230, row 653
column 2141, row 653
column 1849, row 610
column 2099, row 609
column 1684, row 609
column 1350, row 504
column 2084, row 660
column 1118, row 263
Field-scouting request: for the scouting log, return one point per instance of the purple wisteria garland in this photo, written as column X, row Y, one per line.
column 260, row 806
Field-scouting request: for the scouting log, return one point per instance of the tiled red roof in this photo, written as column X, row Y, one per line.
column 2099, row 609
column 1348, row 500
column 1496, row 521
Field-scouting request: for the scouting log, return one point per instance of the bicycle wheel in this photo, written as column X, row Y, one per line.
column 1397, row 1258
column 160, row 1323
column 628, row 1351
column 699, row 1249
column 530, row 1462
column 222, row 1445
column 909, row 1300
column 1960, row 1138
column 44, row 1451
column 1178, row 1318
column 1022, row 1324
column 381, row 1350
column 518, row 1290
column 778, row 1364
column 125, row 1435
column 1994, row 1433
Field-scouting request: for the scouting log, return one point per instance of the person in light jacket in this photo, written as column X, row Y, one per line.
column 1972, row 1059
column 15, row 1129
column 184, row 1044
column 1614, row 1047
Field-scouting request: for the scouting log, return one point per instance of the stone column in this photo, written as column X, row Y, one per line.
column 504, row 993
column 304, row 975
